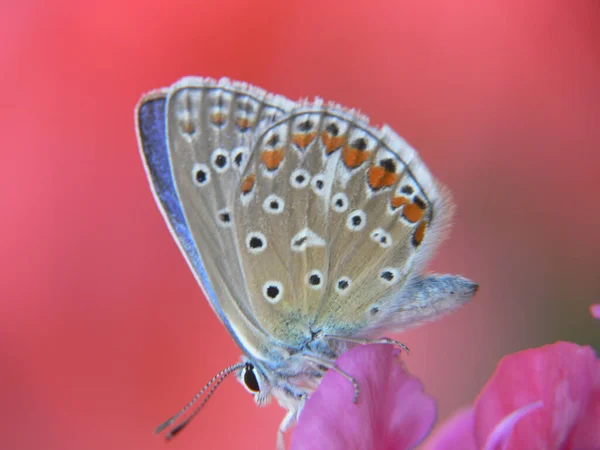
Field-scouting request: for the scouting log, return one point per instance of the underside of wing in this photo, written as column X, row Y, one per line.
column 332, row 215
column 196, row 139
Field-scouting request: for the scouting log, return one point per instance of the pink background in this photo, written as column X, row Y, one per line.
column 103, row 332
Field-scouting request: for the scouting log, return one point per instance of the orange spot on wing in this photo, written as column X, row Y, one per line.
column 332, row 143
column 379, row 177
column 412, row 212
column 248, row 183
column 303, row 139
column 218, row 118
column 419, row 234
column 397, row 202
column 353, row 157
column 243, row 123
column 272, row 158
column 188, row 127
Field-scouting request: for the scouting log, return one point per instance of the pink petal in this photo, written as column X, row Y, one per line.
column 587, row 432
column 457, row 432
column 595, row 310
column 561, row 375
column 392, row 411
column 498, row 439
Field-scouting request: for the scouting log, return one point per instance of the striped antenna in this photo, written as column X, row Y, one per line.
column 216, row 380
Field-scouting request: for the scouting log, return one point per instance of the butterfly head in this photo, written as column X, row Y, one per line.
column 289, row 383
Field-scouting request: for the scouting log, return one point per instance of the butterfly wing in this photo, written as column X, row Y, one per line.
column 346, row 215
column 195, row 139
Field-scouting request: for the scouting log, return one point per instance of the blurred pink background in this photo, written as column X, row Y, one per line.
column 103, row 331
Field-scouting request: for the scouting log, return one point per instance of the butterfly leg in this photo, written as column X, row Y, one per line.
column 361, row 341
column 286, row 423
column 332, row 366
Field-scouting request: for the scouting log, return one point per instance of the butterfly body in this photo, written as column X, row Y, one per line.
column 306, row 227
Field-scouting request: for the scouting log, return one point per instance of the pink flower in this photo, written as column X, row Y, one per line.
column 544, row 398
column 392, row 411
column 595, row 310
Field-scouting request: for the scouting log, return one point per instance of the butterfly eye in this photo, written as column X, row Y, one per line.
column 250, row 379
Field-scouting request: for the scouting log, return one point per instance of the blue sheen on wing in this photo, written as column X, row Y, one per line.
column 152, row 131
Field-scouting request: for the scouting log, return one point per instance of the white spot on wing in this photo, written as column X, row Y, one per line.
column 357, row 220
column 315, row 279
column 306, row 238
column 220, row 160
column 268, row 115
column 256, row 242
column 299, row 178
column 318, row 184
column 272, row 291
column 343, row 285
column 389, row 275
column 201, row 174
column 273, row 204
column 339, row 202
column 239, row 158
column 224, row 218
column 382, row 237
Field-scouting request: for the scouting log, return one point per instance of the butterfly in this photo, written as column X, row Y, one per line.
column 306, row 228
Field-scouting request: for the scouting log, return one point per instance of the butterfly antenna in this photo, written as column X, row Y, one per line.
column 217, row 380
